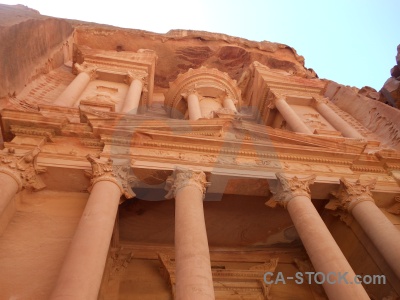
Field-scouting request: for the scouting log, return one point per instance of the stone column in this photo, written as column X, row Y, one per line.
column 294, row 194
column 17, row 172
column 290, row 116
column 132, row 98
column 336, row 121
column 83, row 267
column 192, row 98
column 228, row 102
column 356, row 198
column 71, row 94
column 192, row 257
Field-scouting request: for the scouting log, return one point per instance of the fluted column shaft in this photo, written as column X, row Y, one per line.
column 324, row 253
column 71, row 94
column 291, row 117
column 357, row 198
column 336, row 121
column 132, row 99
column 83, row 267
column 192, row 257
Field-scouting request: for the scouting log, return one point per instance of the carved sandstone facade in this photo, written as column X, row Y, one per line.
column 192, row 166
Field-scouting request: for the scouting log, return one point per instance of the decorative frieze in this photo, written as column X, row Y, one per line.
column 248, row 282
column 36, row 131
column 288, row 187
column 22, row 168
column 116, row 173
column 181, row 178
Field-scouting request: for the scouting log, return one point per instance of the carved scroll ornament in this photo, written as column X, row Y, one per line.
column 22, row 168
column 289, row 187
column 351, row 193
column 108, row 171
column 181, row 178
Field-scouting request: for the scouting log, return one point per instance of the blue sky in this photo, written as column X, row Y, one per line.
column 352, row 42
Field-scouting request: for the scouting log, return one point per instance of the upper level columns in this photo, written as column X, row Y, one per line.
column 335, row 120
column 192, row 257
column 291, row 117
column 132, row 98
column 71, row 94
column 82, row 270
column 294, row 194
column 193, row 101
column 229, row 103
column 356, row 197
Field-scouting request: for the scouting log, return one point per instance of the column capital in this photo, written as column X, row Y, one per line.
column 181, row 178
column 273, row 99
column 319, row 100
column 22, row 168
column 135, row 74
column 288, row 187
column 115, row 173
column 351, row 193
column 191, row 91
column 91, row 70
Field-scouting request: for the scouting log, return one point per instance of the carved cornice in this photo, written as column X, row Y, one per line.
column 181, row 178
column 117, row 174
column 22, row 168
column 36, row 131
column 289, row 187
column 350, row 193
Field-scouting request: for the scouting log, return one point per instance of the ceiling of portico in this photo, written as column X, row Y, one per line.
column 231, row 221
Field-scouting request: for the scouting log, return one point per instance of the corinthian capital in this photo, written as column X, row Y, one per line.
column 181, row 178
column 108, row 171
column 135, row 74
column 319, row 100
column 289, row 187
column 350, row 193
column 22, row 168
column 91, row 70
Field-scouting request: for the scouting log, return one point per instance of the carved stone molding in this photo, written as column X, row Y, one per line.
column 344, row 216
column 22, row 168
column 119, row 262
column 247, row 283
column 181, row 178
column 350, row 193
column 108, row 171
column 395, row 208
column 289, row 187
